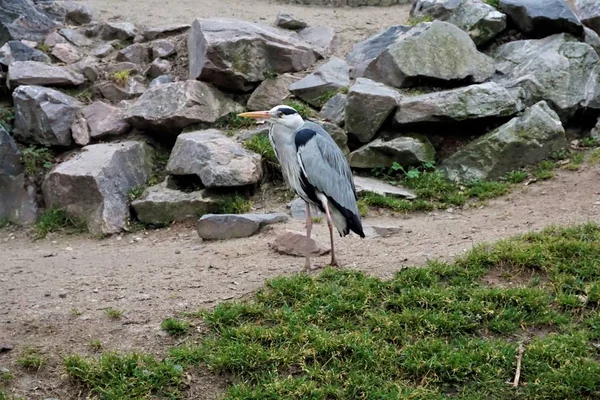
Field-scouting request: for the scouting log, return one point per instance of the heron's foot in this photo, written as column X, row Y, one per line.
column 313, row 268
column 334, row 263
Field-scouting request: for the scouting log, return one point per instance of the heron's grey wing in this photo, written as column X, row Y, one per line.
column 339, row 157
column 326, row 169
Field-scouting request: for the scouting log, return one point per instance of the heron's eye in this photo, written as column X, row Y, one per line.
column 280, row 114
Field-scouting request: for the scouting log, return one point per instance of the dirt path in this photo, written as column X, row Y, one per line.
column 351, row 24
column 155, row 275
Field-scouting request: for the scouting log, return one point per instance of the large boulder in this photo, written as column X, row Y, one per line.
column 22, row 19
column 369, row 104
column 94, row 184
column 524, row 140
column 216, row 159
column 171, row 107
column 44, row 116
column 42, row 74
column 17, row 199
column 364, row 52
column 78, row 14
column 405, row 150
column 15, row 50
column 588, row 12
column 75, row 37
column 237, row 55
column 542, row 17
column 115, row 92
column 117, row 31
column 481, row 21
column 323, row 38
column 286, row 21
column 162, row 205
column 136, row 53
column 334, row 110
column 415, row 58
column 66, row 53
column 558, row 69
column 271, row 92
column 595, row 133
column 592, row 38
column 317, row 87
column 159, row 32
column 472, row 102
column 104, row 120
column 232, row 226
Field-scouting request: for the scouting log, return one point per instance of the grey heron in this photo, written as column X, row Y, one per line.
column 315, row 168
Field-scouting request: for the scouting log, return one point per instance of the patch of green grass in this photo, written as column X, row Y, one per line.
column 126, row 377
column 31, row 358
column 517, row 176
column 57, row 220
column 121, row 77
column 594, row 157
column 4, row 223
column 6, row 377
column 235, row 204
column 83, row 95
column 232, row 122
column 136, row 192
column 325, row 97
column 303, row 109
column 493, row 3
column 7, row 118
column 418, row 20
column 442, row 331
column 44, row 48
column 37, row 160
column 261, row 144
column 545, row 170
column 589, row 142
column 422, row 334
column 113, row 313
column 75, row 312
column 575, row 161
column 317, row 220
column 485, row 190
column 95, row 345
column 175, row 326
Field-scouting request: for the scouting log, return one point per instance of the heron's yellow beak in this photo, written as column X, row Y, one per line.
column 256, row 115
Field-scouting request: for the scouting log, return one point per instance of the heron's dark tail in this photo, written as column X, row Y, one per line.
column 352, row 220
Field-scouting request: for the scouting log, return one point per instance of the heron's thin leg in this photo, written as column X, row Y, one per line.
column 334, row 262
column 308, row 230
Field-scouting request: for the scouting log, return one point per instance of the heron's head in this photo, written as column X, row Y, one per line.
column 282, row 115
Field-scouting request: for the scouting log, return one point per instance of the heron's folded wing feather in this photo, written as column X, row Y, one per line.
column 327, row 170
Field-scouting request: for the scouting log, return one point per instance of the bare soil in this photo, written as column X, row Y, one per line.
column 151, row 276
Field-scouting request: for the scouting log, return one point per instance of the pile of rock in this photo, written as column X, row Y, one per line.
column 103, row 93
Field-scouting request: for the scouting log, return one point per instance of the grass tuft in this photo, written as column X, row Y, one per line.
column 121, row 77
column 31, row 358
column 113, row 313
column 493, row 3
column 261, row 144
column 235, row 204
column 175, row 326
column 37, row 160
column 418, row 20
column 303, row 109
column 131, row 376
column 57, row 220
column 95, row 345
column 7, row 118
